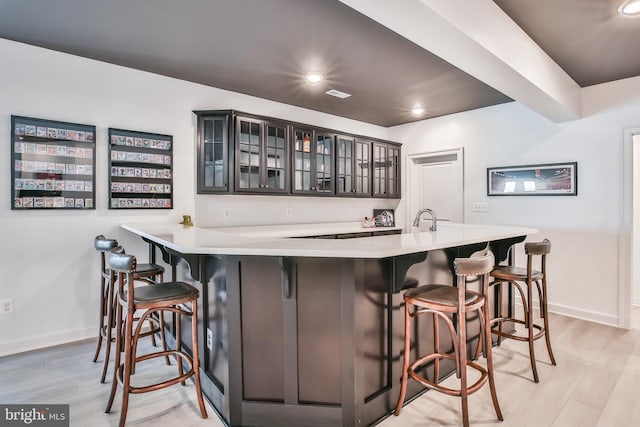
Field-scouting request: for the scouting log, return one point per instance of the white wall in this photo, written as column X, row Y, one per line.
column 47, row 261
column 584, row 230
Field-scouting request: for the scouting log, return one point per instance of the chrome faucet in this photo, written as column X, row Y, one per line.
column 434, row 220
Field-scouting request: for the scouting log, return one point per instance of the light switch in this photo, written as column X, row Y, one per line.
column 480, row 207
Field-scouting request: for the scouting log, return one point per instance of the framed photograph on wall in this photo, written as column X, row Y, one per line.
column 552, row 179
column 140, row 170
column 52, row 164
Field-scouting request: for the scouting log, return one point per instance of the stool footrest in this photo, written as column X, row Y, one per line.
column 516, row 337
column 166, row 383
column 446, row 390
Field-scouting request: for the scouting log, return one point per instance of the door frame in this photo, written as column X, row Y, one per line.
column 414, row 164
column 628, row 246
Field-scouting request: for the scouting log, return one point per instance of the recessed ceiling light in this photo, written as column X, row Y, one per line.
column 630, row 8
column 417, row 110
column 314, row 77
column 338, row 93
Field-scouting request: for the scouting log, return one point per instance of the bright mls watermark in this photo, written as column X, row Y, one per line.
column 34, row 415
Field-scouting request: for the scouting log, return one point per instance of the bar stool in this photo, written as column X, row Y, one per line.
column 150, row 273
column 171, row 296
column 442, row 301
column 529, row 278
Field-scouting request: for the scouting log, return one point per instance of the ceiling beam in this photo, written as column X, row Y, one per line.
column 477, row 37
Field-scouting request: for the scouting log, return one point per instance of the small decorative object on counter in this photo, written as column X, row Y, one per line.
column 186, row 221
column 369, row 222
column 384, row 217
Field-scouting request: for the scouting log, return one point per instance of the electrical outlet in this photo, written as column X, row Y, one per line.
column 209, row 339
column 6, row 306
column 480, row 207
column 289, row 211
column 227, row 211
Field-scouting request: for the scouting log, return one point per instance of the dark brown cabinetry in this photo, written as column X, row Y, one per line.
column 313, row 162
column 353, row 166
column 244, row 153
column 213, row 154
column 386, row 170
column 262, row 156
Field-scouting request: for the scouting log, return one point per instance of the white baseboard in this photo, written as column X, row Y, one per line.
column 578, row 313
column 35, row 343
column 636, row 301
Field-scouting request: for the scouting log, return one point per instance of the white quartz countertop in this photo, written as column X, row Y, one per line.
column 277, row 241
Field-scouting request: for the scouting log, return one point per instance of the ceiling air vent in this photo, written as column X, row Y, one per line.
column 337, row 93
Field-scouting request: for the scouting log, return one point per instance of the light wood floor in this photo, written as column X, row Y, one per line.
column 596, row 383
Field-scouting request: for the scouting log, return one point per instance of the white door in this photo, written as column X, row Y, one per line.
column 437, row 183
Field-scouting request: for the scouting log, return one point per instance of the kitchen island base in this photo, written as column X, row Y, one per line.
column 311, row 341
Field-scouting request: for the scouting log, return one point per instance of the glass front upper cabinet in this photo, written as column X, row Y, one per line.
column 261, row 156
column 386, row 170
column 353, row 166
column 213, row 170
column 313, row 162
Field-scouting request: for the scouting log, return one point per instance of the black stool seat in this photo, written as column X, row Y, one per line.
column 149, row 270
column 149, row 273
column 150, row 300
column 168, row 291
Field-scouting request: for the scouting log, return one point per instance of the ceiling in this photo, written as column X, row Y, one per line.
column 264, row 48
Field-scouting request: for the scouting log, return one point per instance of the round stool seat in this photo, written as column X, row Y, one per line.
column 440, row 294
column 509, row 273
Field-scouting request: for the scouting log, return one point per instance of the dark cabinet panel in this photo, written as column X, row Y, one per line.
column 243, row 153
column 353, row 166
column 313, row 162
column 386, row 170
column 262, row 153
column 319, row 326
column 213, row 160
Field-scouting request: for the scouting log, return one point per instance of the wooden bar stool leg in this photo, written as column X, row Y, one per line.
column 530, row 329
column 196, row 358
column 436, row 348
column 108, row 326
column 546, row 320
column 488, row 351
column 179, row 343
column 499, row 302
column 103, row 305
column 114, row 381
column 462, row 346
column 405, row 360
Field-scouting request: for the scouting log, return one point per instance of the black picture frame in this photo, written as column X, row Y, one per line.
column 384, row 217
column 53, row 164
column 551, row 179
column 140, row 170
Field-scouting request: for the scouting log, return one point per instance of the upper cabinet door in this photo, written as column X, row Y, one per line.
column 313, row 162
column 324, row 163
column 213, row 167
column 353, row 165
column 386, row 170
column 261, row 156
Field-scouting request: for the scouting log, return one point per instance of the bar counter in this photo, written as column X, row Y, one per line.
column 296, row 330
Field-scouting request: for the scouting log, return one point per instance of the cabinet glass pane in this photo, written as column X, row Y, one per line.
column 249, row 154
column 276, row 157
column 393, row 171
column 213, row 130
column 362, row 168
column 302, row 161
column 379, row 169
column 323, row 163
column 344, row 162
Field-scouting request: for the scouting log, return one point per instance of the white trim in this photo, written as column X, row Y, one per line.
column 35, row 343
column 411, row 171
column 625, row 237
column 578, row 313
column 636, row 301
